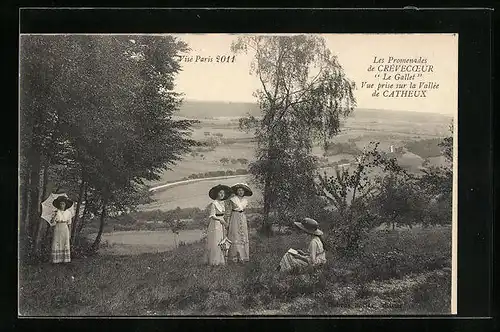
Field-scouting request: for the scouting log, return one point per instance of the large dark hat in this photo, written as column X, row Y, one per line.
column 245, row 187
column 58, row 200
column 310, row 226
column 215, row 191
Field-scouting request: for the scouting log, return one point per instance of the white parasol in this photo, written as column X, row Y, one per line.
column 48, row 209
column 225, row 244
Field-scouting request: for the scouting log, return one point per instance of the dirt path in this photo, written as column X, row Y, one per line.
column 183, row 182
column 179, row 183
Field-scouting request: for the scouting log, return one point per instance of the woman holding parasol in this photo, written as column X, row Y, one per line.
column 61, row 220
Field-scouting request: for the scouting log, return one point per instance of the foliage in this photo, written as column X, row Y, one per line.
column 358, row 198
column 437, row 184
column 333, row 148
column 225, row 161
column 97, row 110
column 211, row 174
column 362, row 200
column 400, row 202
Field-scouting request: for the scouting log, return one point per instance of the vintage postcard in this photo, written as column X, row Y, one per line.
column 237, row 174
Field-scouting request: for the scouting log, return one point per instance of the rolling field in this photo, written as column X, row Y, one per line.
column 361, row 127
column 140, row 242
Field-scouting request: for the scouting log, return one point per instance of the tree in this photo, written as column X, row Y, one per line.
column 437, row 184
column 100, row 108
column 354, row 193
column 303, row 94
column 224, row 161
column 400, row 202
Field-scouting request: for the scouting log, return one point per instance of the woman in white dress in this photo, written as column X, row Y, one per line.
column 217, row 224
column 315, row 255
column 61, row 251
column 238, row 228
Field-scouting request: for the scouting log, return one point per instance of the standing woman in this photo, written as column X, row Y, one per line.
column 238, row 229
column 217, row 224
column 61, row 251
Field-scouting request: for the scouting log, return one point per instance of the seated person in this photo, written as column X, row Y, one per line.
column 316, row 253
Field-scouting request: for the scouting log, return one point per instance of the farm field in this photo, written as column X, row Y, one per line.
column 362, row 127
column 140, row 242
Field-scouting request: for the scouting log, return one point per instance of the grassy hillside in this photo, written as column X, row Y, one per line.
column 400, row 273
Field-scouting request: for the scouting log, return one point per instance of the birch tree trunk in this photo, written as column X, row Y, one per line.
column 97, row 240
column 77, row 210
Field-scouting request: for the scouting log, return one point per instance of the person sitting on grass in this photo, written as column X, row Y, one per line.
column 297, row 259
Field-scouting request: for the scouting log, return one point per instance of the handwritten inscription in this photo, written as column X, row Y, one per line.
column 208, row 59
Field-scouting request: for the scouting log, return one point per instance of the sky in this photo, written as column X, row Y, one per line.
column 355, row 52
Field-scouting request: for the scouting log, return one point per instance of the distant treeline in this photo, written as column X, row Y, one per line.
column 191, row 218
column 350, row 147
column 212, row 174
column 425, row 148
column 209, row 109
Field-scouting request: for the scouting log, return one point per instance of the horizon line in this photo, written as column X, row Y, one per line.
column 359, row 108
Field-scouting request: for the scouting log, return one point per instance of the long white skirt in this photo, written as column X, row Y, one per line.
column 289, row 262
column 61, row 252
column 215, row 234
column 238, row 235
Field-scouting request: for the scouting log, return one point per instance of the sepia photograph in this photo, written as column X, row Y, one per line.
column 237, row 175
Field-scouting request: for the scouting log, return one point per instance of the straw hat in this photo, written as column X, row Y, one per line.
column 58, row 200
column 214, row 192
column 244, row 186
column 310, row 226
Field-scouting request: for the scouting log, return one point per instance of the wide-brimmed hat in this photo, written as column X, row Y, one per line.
column 214, row 192
column 310, row 226
column 58, row 200
column 244, row 186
